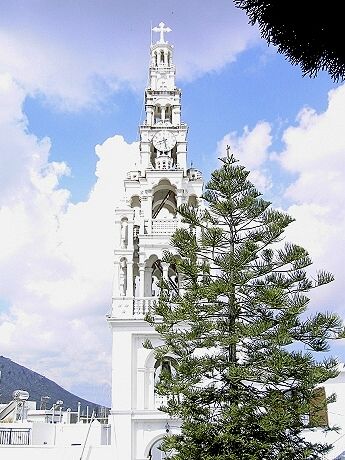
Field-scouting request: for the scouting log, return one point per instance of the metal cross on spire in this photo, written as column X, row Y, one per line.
column 161, row 29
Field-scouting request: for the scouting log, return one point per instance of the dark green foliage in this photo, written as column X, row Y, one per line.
column 240, row 382
column 306, row 32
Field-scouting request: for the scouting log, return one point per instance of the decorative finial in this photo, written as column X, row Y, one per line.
column 161, row 29
column 228, row 148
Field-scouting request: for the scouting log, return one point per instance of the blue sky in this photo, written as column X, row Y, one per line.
column 72, row 76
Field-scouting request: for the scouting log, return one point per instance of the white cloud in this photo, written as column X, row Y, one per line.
column 77, row 58
column 251, row 149
column 315, row 152
column 56, row 257
column 314, row 158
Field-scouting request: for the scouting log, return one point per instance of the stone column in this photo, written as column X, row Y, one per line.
column 129, row 292
column 116, row 292
column 182, row 155
column 176, row 115
column 130, row 235
column 117, row 232
column 149, row 115
column 179, row 197
column 149, row 211
column 124, row 234
column 142, row 279
column 165, row 267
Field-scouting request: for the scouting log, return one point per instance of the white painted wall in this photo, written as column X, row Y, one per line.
column 56, row 453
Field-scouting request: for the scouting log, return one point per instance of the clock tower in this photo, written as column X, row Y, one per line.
column 144, row 223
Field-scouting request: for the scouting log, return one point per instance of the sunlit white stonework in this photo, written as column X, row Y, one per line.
column 144, row 223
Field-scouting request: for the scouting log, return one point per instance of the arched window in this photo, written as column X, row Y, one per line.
column 168, row 113
column 162, row 56
column 157, row 113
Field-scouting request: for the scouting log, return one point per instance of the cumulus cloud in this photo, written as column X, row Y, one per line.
column 55, row 256
column 251, row 149
column 312, row 168
column 315, row 152
column 76, row 58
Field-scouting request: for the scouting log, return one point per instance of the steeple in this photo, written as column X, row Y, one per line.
column 163, row 143
column 144, row 223
column 162, row 69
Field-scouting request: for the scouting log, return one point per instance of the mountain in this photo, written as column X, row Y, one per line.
column 13, row 376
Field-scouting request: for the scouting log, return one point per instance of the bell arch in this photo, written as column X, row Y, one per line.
column 164, row 203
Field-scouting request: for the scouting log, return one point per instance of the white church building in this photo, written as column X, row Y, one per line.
column 144, row 222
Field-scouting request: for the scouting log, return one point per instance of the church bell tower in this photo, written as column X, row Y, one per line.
column 144, row 223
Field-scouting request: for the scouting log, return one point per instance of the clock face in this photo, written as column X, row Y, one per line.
column 164, row 141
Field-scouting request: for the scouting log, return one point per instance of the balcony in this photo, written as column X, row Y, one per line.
column 132, row 307
column 164, row 226
column 143, row 305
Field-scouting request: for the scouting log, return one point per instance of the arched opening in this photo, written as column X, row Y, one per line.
column 135, row 203
column 168, row 113
column 162, row 57
column 157, row 113
column 165, row 367
column 155, row 453
column 156, row 59
column 164, row 202
column 169, row 58
column 193, row 201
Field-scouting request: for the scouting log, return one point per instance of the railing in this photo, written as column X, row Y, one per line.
column 15, row 436
column 128, row 307
column 163, row 226
column 143, row 305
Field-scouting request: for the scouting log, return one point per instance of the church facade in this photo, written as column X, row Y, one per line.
column 144, row 223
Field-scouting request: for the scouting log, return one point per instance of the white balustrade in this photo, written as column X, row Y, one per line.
column 129, row 307
column 164, row 226
column 142, row 305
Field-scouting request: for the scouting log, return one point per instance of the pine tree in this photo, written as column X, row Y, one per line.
column 244, row 353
